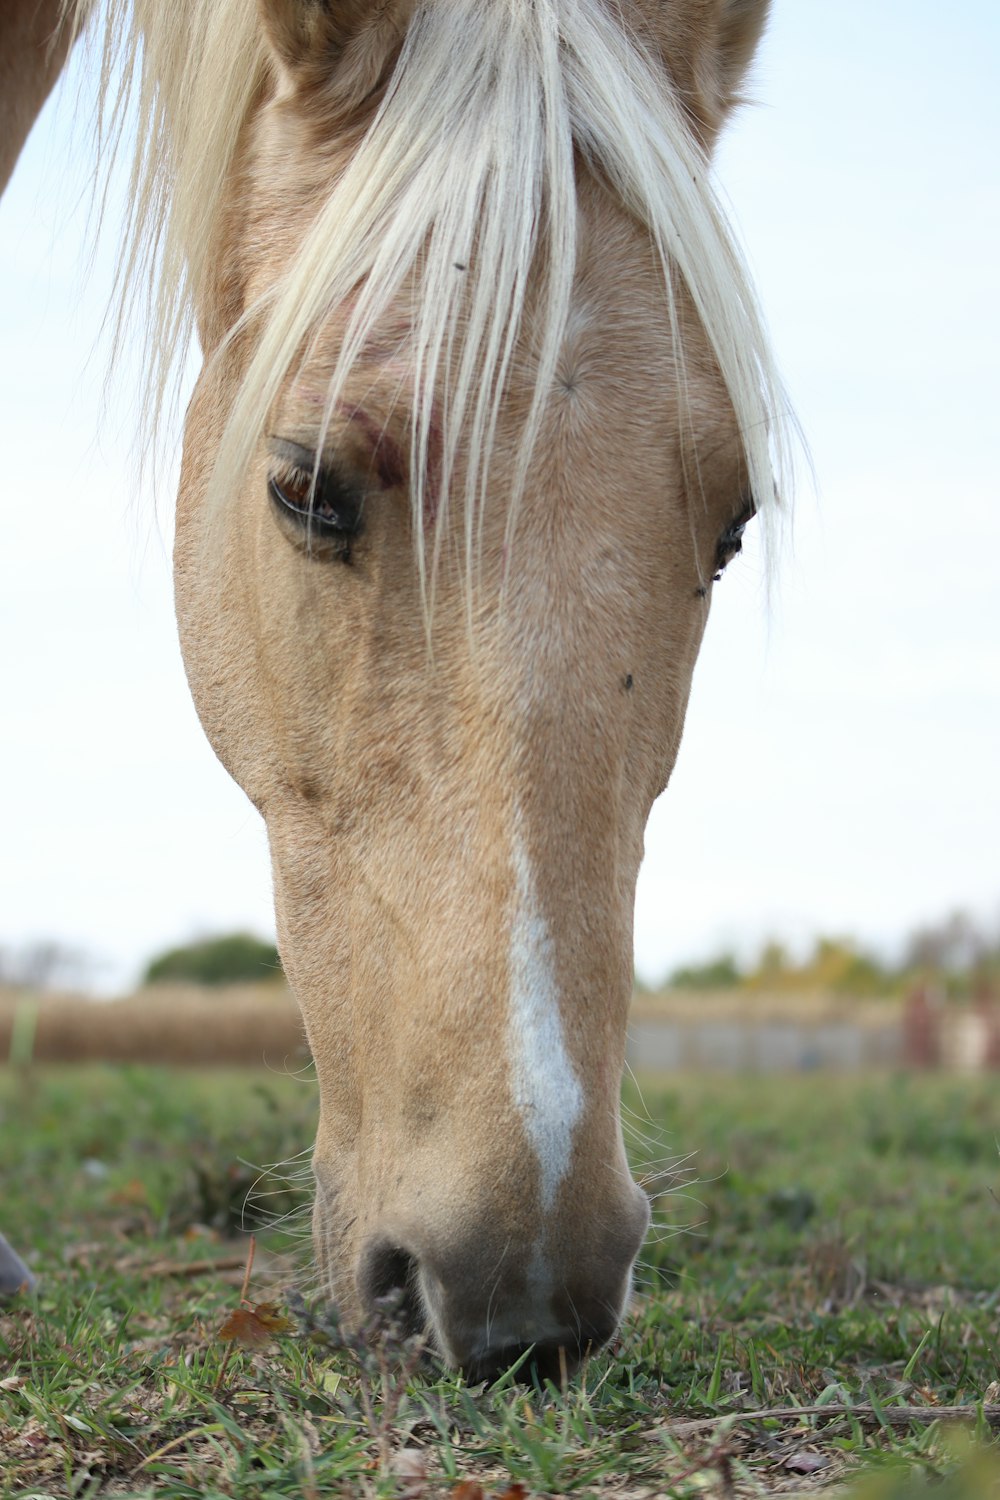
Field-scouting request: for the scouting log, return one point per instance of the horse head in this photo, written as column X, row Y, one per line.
column 485, row 407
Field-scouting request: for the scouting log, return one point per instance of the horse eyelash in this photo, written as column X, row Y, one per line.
column 331, row 519
column 284, row 471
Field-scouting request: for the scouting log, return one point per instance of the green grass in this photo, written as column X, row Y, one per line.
column 834, row 1244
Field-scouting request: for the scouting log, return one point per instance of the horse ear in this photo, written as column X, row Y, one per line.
column 312, row 40
column 304, row 32
column 708, row 46
column 741, row 26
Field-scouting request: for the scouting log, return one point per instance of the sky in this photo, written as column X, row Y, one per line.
column 841, row 756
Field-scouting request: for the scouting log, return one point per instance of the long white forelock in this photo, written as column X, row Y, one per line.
column 178, row 81
column 465, row 174
column 469, row 162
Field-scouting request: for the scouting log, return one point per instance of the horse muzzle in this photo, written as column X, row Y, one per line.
column 488, row 1302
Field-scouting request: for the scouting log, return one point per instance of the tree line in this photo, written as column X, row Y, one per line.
column 959, row 954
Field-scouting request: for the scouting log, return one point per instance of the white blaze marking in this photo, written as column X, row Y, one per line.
column 545, row 1086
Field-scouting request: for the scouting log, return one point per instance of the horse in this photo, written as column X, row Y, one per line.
column 485, row 405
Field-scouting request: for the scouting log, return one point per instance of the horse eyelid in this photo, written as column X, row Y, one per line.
column 289, row 452
column 730, row 543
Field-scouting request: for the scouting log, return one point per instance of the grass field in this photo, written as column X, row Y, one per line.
column 823, row 1284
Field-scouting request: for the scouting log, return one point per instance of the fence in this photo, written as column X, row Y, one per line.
column 736, row 1032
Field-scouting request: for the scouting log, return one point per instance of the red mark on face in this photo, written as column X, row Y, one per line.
column 387, row 461
column 387, row 458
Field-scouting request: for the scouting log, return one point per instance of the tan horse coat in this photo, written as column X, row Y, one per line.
column 441, row 626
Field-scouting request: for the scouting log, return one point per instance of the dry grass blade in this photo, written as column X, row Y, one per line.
column 175, row 1443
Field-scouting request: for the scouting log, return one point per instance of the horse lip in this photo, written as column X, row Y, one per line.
column 555, row 1358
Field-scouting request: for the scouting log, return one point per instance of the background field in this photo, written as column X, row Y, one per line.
column 832, row 1246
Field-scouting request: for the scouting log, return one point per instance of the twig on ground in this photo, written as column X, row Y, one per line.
column 243, row 1297
column 204, row 1267
column 896, row 1416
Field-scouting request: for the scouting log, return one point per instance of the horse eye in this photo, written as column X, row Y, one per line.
column 315, row 497
column 731, row 540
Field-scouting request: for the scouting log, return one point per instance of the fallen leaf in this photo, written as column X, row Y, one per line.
column 468, row 1489
column 200, row 1232
column 409, row 1466
column 272, row 1317
column 253, row 1327
column 33, row 1436
column 516, row 1491
column 132, row 1194
column 805, row 1462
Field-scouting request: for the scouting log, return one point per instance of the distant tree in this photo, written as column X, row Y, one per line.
column 955, row 945
column 959, row 953
column 235, row 958
column 773, row 963
column 840, row 964
column 721, row 973
column 835, row 964
column 45, row 965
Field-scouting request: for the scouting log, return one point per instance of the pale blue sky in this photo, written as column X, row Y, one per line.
column 841, row 757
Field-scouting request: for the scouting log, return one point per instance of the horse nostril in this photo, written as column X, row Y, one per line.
column 387, row 1282
column 551, row 1359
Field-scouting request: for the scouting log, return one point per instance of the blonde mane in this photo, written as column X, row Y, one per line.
column 468, row 162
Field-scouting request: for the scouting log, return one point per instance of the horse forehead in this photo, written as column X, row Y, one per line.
column 622, row 366
column 618, row 309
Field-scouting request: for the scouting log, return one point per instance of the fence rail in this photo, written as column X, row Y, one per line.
column 738, row 1033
